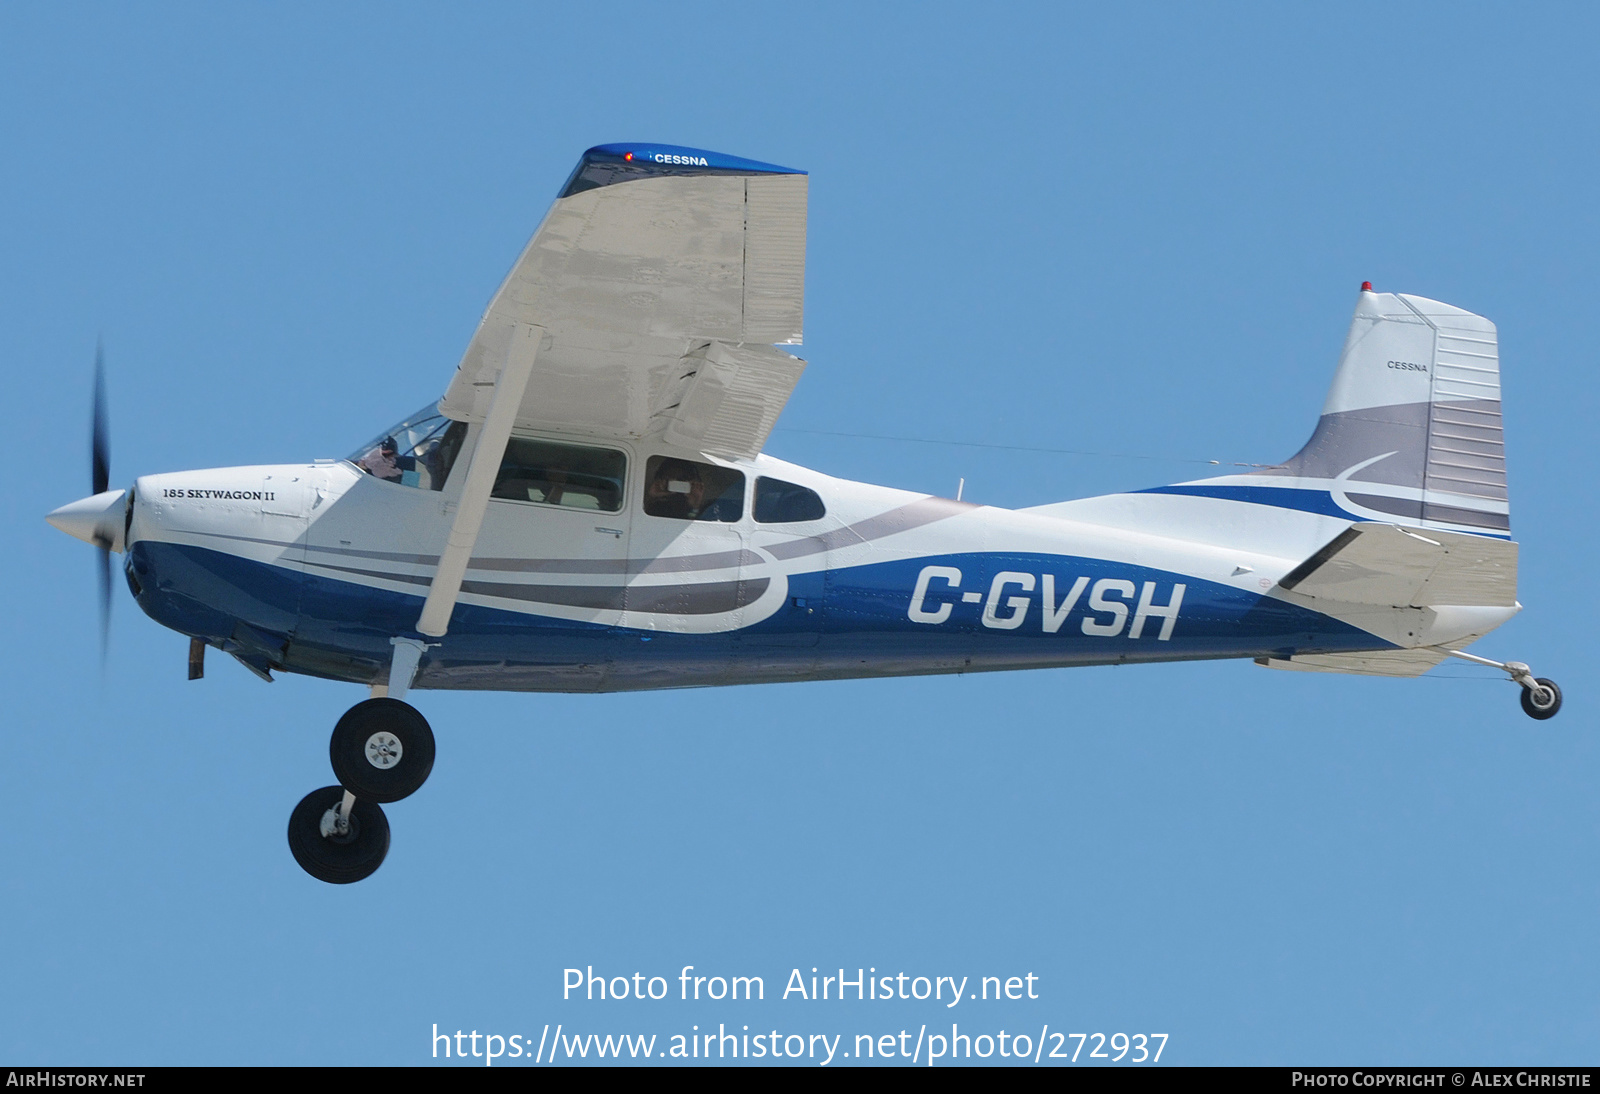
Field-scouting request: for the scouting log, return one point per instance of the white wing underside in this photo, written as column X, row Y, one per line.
column 660, row 299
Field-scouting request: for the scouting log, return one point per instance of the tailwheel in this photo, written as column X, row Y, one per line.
column 1542, row 700
column 335, row 839
column 382, row 750
column 1540, row 696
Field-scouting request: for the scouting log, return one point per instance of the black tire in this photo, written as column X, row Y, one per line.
column 336, row 859
column 1533, row 709
column 367, row 722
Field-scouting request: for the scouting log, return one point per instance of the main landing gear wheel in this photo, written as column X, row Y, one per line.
column 1541, row 701
column 334, row 849
column 382, row 750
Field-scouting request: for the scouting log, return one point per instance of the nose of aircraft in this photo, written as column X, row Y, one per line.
column 98, row 519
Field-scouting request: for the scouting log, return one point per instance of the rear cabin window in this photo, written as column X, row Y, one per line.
column 686, row 490
column 779, row 502
column 567, row 475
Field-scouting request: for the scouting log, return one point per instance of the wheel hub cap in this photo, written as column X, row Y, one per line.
column 383, row 750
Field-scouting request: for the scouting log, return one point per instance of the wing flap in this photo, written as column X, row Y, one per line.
column 734, row 397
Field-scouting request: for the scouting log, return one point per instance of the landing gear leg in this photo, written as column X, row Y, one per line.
column 1541, row 698
column 382, row 751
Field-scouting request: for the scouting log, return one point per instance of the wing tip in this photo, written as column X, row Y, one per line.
column 607, row 164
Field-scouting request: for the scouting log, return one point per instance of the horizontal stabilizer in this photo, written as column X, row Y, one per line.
column 1384, row 564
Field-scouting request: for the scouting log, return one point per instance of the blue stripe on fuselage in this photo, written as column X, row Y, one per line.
column 852, row 621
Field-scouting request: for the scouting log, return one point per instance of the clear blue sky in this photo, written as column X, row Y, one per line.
column 1129, row 231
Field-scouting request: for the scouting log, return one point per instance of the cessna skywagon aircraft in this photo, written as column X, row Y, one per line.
column 587, row 509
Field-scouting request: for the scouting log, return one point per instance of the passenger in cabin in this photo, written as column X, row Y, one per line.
column 555, row 490
column 381, row 463
column 675, row 490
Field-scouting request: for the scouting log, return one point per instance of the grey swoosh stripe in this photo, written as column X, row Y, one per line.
column 1420, row 510
column 700, row 598
column 906, row 517
column 378, row 556
column 1453, row 515
column 703, row 598
column 714, row 560
column 911, row 515
column 413, row 579
column 1425, row 439
column 1400, row 507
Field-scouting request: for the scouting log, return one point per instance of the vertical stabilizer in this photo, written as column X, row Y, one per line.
column 1411, row 428
column 1410, row 434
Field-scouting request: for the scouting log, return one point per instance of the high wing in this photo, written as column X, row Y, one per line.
column 661, row 279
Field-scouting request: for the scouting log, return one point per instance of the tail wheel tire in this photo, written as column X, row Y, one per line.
column 1543, row 701
column 339, row 858
column 382, row 750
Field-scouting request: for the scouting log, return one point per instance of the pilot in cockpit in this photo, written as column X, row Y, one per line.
column 381, row 462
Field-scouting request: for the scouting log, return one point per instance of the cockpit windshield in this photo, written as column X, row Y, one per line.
column 418, row 452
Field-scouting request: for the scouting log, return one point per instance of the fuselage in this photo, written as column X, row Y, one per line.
column 314, row 568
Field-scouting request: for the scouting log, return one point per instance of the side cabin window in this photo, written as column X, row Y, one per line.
column 418, row 452
column 779, row 502
column 569, row 475
column 686, row 490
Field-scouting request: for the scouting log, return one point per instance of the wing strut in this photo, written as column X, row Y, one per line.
column 474, row 501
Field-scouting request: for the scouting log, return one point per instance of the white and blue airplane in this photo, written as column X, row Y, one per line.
column 587, row 508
